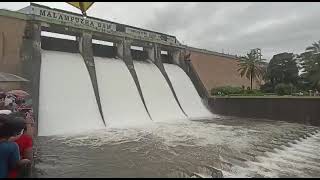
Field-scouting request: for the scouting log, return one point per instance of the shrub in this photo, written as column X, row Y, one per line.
column 235, row 91
column 284, row 89
column 226, row 90
column 254, row 92
column 267, row 88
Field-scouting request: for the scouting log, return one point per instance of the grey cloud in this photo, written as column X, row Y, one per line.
column 290, row 35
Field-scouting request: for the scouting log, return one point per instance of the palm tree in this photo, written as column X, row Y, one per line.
column 315, row 48
column 251, row 66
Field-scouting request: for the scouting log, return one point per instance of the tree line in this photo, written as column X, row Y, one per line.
column 287, row 72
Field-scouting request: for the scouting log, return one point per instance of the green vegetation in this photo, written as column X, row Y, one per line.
column 226, row 90
column 284, row 89
column 235, row 91
column 281, row 76
column 310, row 64
column 251, row 67
column 282, row 68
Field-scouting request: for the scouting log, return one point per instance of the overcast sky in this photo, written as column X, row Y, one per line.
column 231, row 27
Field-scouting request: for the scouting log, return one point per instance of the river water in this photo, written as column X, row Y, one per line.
column 224, row 146
column 156, row 139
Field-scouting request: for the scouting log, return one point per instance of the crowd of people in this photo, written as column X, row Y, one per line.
column 16, row 135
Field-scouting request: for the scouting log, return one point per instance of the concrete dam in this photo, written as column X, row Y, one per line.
column 89, row 74
column 99, row 86
column 112, row 100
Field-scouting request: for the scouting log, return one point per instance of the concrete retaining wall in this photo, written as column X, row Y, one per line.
column 299, row 110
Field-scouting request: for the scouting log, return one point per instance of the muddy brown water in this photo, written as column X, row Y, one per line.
column 225, row 146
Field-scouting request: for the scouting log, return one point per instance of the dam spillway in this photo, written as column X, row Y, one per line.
column 159, row 98
column 121, row 102
column 67, row 103
column 187, row 95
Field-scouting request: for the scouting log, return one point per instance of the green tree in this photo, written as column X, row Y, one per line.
column 310, row 61
column 315, row 48
column 283, row 68
column 251, row 66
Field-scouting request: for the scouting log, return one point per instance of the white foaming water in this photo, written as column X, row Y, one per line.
column 171, row 134
column 292, row 160
column 67, row 103
column 120, row 99
column 187, row 94
column 159, row 99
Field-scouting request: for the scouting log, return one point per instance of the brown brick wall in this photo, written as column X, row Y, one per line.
column 11, row 37
column 216, row 71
